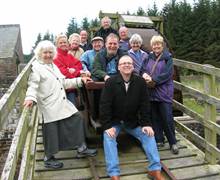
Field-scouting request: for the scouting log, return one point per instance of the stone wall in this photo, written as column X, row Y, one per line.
column 8, row 73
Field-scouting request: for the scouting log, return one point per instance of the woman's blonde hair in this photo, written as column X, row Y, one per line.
column 58, row 37
column 156, row 39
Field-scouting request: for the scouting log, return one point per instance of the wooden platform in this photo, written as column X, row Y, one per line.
column 188, row 164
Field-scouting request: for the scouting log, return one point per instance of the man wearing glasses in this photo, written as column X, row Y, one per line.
column 125, row 105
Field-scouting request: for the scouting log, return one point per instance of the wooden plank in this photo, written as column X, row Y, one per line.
column 196, row 116
column 198, row 94
column 184, row 162
column 215, row 177
column 197, row 67
column 16, row 146
column 68, row 164
column 199, row 139
column 210, row 115
column 196, row 172
column 72, row 174
column 28, row 157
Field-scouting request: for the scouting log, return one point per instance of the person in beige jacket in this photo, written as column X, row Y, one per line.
column 63, row 126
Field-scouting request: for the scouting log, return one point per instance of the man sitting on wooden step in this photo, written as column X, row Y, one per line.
column 125, row 105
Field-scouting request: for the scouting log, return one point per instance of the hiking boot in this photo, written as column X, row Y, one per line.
column 174, row 149
column 160, row 144
column 86, row 152
column 52, row 163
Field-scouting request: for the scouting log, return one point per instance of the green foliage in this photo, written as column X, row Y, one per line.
column 140, row 12
column 153, row 11
column 85, row 24
column 194, row 32
column 72, row 27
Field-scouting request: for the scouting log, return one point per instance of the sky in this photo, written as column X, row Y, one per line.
column 40, row 16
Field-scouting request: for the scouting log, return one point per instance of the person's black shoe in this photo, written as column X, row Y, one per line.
column 174, row 149
column 53, row 163
column 86, row 152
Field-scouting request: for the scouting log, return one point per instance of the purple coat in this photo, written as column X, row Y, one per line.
column 162, row 76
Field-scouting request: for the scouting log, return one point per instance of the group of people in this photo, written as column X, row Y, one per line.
column 137, row 95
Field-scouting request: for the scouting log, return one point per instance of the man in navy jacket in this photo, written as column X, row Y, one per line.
column 125, row 105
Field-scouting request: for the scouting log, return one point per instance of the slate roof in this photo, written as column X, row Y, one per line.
column 8, row 38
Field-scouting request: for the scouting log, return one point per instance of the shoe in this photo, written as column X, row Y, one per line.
column 155, row 175
column 86, row 152
column 52, row 163
column 174, row 149
column 115, row 178
column 160, row 144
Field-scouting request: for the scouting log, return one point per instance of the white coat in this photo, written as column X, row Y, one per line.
column 46, row 87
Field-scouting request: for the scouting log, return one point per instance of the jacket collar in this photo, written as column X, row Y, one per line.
column 60, row 51
column 119, row 78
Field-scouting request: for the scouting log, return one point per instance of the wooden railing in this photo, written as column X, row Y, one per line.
column 24, row 141
column 20, row 158
column 208, row 119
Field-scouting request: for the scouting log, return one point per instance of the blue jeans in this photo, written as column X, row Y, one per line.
column 111, row 150
column 162, row 121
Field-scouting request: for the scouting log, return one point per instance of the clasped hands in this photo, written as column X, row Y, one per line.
column 149, row 81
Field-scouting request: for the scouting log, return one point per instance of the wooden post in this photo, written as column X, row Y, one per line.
column 210, row 115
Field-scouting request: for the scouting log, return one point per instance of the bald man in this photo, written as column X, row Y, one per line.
column 125, row 105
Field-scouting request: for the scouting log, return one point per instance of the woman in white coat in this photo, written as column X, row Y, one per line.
column 63, row 126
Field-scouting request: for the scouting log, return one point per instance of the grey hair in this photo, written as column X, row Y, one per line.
column 42, row 46
column 74, row 35
column 106, row 17
column 136, row 38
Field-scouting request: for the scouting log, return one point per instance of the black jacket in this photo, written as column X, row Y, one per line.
column 105, row 32
column 117, row 105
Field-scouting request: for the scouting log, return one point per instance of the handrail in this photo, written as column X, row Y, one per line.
column 208, row 119
column 23, row 131
column 207, row 69
column 17, row 89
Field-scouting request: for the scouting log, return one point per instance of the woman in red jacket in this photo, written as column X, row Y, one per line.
column 69, row 66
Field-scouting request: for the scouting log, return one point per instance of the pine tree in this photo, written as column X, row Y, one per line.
column 153, row 11
column 72, row 27
column 85, row 24
column 141, row 12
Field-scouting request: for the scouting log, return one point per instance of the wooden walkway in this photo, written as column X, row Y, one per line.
column 188, row 164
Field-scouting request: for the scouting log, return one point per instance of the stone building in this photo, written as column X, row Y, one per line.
column 11, row 54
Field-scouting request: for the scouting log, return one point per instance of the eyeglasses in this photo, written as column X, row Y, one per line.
column 126, row 63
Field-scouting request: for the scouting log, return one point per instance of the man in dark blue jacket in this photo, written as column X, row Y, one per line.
column 125, row 105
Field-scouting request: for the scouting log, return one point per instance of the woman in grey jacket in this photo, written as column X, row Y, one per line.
column 63, row 127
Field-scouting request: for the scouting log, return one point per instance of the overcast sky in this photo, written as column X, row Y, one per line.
column 40, row 16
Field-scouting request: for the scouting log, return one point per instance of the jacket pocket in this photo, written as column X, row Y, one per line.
column 48, row 97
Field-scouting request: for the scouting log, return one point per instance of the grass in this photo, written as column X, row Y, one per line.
column 197, row 83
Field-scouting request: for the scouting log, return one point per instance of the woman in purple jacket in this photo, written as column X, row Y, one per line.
column 157, row 71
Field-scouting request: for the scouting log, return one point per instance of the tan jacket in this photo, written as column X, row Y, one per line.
column 46, row 86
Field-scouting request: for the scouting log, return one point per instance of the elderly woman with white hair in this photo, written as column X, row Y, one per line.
column 63, row 126
column 138, row 55
column 158, row 72
column 75, row 50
